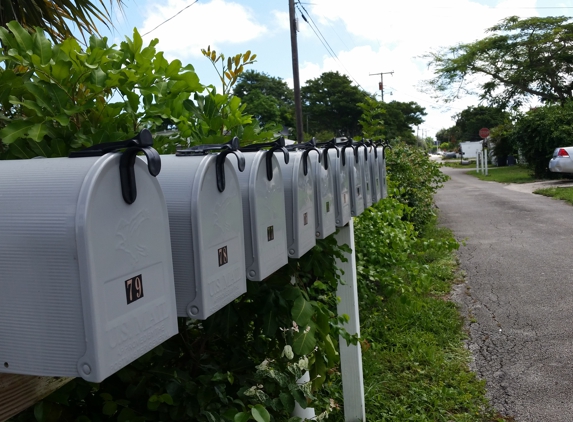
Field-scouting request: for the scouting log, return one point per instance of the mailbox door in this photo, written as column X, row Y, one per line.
column 217, row 220
column 375, row 175
column 264, row 216
column 366, row 179
column 356, row 188
column 299, row 203
column 126, row 272
column 341, row 190
column 324, row 196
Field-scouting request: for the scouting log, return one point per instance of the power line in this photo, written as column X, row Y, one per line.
column 323, row 40
column 167, row 20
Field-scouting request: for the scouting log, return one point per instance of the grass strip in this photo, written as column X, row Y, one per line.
column 416, row 367
column 468, row 164
column 511, row 174
column 565, row 194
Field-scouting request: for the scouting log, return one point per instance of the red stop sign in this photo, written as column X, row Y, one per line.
column 484, row 132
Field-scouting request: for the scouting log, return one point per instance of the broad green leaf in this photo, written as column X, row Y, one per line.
column 62, row 119
column 7, row 38
column 173, row 69
column 98, row 77
column 299, row 397
column 21, row 149
column 260, row 413
column 126, row 415
column 15, row 130
column 22, row 36
column 302, row 311
column 38, row 131
column 30, row 105
column 137, row 42
column 59, row 98
column 42, row 47
column 166, row 398
column 318, row 373
column 287, row 401
column 188, row 82
column 304, row 340
column 291, row 293
column 39, row 93
column 133, row 100
column 322, row 321
column 109, row 408
column 330, row 350
column 241, row 417
column 210, row 417
column 270, row 323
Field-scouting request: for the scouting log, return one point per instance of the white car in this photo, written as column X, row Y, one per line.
column 562, row 161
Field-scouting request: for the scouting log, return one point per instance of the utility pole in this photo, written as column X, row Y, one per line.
column 381, row 85
column 295, row 76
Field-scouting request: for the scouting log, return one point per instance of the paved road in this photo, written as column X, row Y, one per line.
column 518, row 295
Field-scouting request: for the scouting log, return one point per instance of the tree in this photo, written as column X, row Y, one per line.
column 539, row 131
column 55, row 16
column 472, row 119
column 268, row 99
column 400, row 117
column 331, row 104
column 391, row 121
column 522, row 59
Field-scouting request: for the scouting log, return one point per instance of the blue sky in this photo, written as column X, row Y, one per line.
column 367, row 36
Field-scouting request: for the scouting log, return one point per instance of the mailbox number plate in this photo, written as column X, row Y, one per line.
column 223, row 256
column 134, row 289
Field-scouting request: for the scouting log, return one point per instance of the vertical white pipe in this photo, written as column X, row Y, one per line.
column 307, row 413
column 485, row 160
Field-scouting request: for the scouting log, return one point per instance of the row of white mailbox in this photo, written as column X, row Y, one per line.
column 96, row 264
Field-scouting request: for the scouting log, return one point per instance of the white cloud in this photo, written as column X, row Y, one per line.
column 200, row 25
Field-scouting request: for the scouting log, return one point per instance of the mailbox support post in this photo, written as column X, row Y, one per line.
column 350, row 356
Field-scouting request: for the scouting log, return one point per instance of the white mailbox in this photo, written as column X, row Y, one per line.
column 381, row 148
column 341, row 187
column 264, row 219
column 205, row 208
column 325, row 208
column 299, row 200
column 365, row 176
column 374, row 161
column 350, row 155
column 86, row 275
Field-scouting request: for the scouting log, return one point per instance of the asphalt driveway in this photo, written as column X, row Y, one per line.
column 518, row 295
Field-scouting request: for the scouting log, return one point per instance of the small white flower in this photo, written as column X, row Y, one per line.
column 295, row 326
column 287, row 351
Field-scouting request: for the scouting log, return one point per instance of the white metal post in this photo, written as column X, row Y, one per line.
column 350, row 356
column 485, row 160
column 307, row 413
column 478, row 169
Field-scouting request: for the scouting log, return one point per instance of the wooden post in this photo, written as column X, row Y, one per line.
column 350, row 356
column 18, row 392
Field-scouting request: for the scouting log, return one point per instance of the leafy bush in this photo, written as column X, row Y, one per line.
column 413, row 180
column 59, row 97
column 539, row 131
